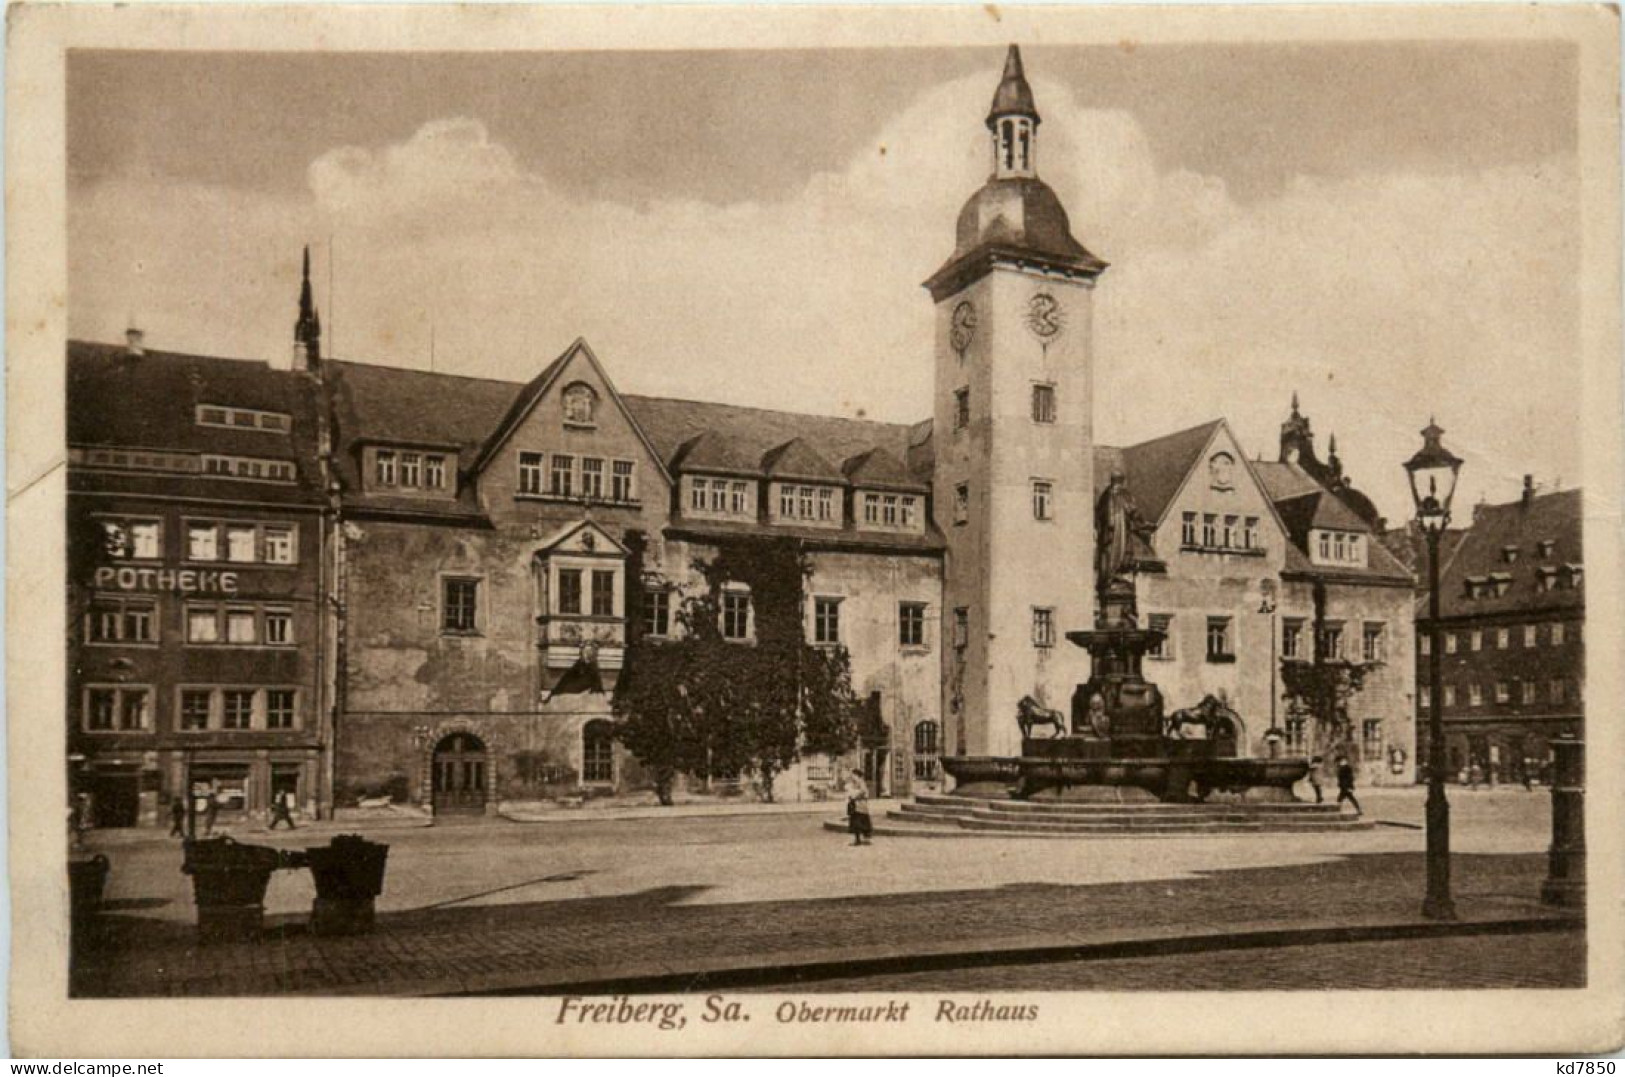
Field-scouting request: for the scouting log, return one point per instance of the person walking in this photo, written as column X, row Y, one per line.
column 282, row 809
column 177, row 817
column 1345, row 784
column 1314, row 779
column 857, row 811
column 211, row 811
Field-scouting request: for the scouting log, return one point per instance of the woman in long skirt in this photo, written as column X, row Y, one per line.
column 857, row 811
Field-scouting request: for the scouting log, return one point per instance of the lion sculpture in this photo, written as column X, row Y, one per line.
column 1031, row 714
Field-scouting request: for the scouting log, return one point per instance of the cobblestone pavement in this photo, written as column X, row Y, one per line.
column 1549, row 959
column 483, row 907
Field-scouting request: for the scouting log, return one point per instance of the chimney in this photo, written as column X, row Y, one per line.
column 1528, row 490
column 134, row 343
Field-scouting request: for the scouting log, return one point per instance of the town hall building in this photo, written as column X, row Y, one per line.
column 493, row 554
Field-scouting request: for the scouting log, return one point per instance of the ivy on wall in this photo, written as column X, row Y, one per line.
column 717, row 708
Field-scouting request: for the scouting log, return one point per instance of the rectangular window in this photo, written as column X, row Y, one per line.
column 1449, row 643
column 383, row 468
column 1338, row 551
column 1210, row 530
column 871, row 508
column 1043, row 498
column 137, row 540
column 961, row 503
column 279, row 708
column 278, row 627
column 202, row 542
column 888, row 509
column 411, row 469
column 657, row 613
column 195, row 705
column 1477, row 639
column 696, row 495
column 592, row 478
column 804, row 502
column 1424, row 644
column 1043, row 626
column 570, row 590
column 735, row 615
column 434, row 472
column 739, row 492
column 1292, row 639
column 826, row 620
column 1371, row 738
column 530, row 472
column 1450, row 695
column 122, row 620
column 620, row 481
column 247, row 418
column 1231, row 537
column 911, row 624
column 237, row 708
column 787, row 502
column 1424, row 696
column 1557, row 634
column 961, row 627
column 1324, row 545
column 1187, row 529
column 101, row 706
column 1297, row 735
column 1332, row 641
column 459, row 607
column 1529, row 636
column 1218, row 640
column 240, row 543
column 279, row 544
column 603, row 592
column 906, row 509
column 826, row 504
column 1503, row 638
column 1559, row 690
column 1527, row 690
column 1249, row 534
column 133, row 711
column 1371, row 643
column 1164, row 647
column 1043, row 403
column 719, row 496
column 202, row 624
column 240, row 626
column 563, row 475
column 1475, row 695
column 961, row 408
column 1503, row 692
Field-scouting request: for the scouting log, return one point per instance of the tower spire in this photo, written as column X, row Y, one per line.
column 307, row 331
column 1013, row 120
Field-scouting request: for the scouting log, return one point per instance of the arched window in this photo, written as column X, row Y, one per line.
column 1026, row 146
column 926, row 750
column 1009, row 144
column 598, row 753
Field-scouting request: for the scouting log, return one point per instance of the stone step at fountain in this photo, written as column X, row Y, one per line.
column 934, row 816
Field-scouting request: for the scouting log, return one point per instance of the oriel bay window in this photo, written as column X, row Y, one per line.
column 570, row 591
column 603, row 592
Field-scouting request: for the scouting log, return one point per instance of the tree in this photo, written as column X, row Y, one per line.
column 1323, row 687
column 708, row 706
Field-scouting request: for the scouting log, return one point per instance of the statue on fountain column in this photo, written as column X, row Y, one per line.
column 1117, row 523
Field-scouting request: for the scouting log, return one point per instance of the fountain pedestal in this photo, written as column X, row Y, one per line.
column 1121, row 747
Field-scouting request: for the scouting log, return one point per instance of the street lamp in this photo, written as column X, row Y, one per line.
column 1433, row 472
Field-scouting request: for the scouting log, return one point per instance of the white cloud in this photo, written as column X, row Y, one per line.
column 1379, row 297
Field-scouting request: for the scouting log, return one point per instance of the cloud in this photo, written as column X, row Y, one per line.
column 1371, row 295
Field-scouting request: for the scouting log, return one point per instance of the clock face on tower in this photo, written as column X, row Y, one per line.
column 1045, row 317
column 963, row 330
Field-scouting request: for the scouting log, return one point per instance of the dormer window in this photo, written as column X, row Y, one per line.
column 408, row 469
column 1509, row 554
column 1338, row 548
column 1546, row 547
column 580, row 403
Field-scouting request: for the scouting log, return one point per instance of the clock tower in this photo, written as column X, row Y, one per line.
column 1014, row 478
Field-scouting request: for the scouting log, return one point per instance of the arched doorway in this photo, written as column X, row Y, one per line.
column 460, row 775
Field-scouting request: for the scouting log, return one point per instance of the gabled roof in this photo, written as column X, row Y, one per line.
column 1157, row 469
column 596, row 534
column 879, row 469
column 795, row 459
column 1524, row 524
column 538, row 386
column 714, row 451
column 671, row 424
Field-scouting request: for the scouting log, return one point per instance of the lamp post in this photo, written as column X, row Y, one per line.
column 1434, row 466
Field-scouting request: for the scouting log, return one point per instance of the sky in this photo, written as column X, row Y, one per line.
column 1391, row 230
